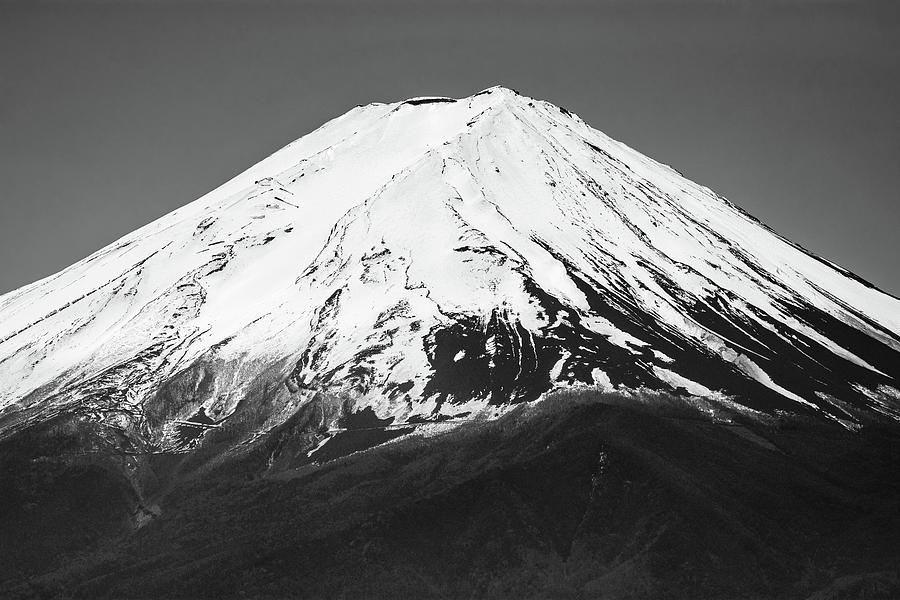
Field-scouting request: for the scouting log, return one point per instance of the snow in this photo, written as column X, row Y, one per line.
column 677, row 381
column 601, row 379
column 438, row 207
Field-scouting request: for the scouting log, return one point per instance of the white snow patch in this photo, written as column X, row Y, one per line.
column 601, row 379
column 677, row 381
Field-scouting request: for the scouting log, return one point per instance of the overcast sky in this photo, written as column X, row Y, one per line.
column 113, row 114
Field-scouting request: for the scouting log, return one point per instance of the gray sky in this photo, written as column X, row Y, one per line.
column 112, row 114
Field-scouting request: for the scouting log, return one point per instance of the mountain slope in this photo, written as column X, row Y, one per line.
column 439, row 259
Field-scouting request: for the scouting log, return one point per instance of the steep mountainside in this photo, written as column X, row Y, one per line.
column 434, row 259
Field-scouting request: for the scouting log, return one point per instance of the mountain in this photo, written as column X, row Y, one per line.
column 422, row 269
column 438, row 257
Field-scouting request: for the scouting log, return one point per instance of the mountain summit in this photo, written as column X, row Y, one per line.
column 439, row 259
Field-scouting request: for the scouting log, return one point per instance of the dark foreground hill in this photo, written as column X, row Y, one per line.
column 585, row 497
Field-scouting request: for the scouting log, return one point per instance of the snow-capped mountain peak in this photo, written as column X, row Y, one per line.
column 439, row 258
